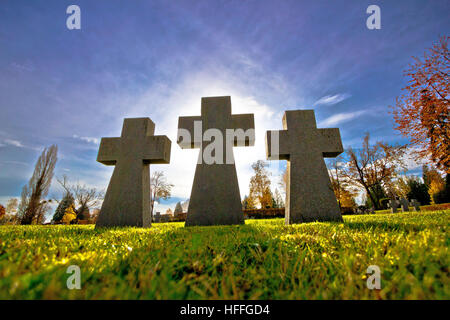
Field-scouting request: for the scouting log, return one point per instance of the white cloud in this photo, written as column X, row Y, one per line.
column 14, row 143
column 330, row 100
column 340, row 117
column 87, row 139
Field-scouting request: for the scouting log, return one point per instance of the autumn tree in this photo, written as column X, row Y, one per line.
column 11, row 205
column 178, row 209
column 371, row 167
column 169, row 213
column 422, row 112
column 343, row 189
column 260, row 184
column 85, row 198
column 159, row 189
column 283, row 181
column 278, row 199
column 66, row 201
column 69, row 215
column 248, row 203
column 436, row 186
column 33, row 207
column 2, row 211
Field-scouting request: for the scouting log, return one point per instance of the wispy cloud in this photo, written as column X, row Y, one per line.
column 330, row 100
column 87, row 139
column 11, row 142
column 341, row 117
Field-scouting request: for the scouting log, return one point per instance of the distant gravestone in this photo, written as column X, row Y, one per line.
column 404, row 203
column 215, row 197
column 309, row 194
column 127, row 201
column 157, row 217
column 393, row 204
column 415, row 204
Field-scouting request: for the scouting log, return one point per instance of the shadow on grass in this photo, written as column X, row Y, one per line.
column 385, row 226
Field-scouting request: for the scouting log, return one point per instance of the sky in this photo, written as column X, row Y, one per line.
column 158, row 58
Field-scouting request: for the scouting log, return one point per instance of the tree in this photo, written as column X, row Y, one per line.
column 32, row 208
column 283, row 181
column 418, row 190
column 260, row 185
column 11, row 205
column 178, row 209
column 248, row 203
column 69, row 215
column 67, row 200
column 436, row 186
column 343, row 189
column 371, row 167
column 422, row 112
column 169, row 213
column 159, row 189
column 278, row 199
column 347, row 199
column 2, row 211
column 85, row 198
column 82, row 197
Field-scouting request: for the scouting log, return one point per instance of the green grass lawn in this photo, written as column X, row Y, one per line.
column 263, row 259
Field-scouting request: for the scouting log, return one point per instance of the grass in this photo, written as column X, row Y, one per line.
column 263, row 259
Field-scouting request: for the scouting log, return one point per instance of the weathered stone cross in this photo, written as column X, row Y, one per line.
column 415, row 204
column 215, row 197
column 127, row 199
column 309, row 195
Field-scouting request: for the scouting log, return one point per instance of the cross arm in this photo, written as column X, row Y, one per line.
column 330, row 142
column 156, row 150
column 188, row 137
column 109, row 151
column 277, row 145
column 244, row 129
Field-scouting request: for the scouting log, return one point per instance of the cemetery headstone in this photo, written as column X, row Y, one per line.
column 394, row 204
column 157, row 216
column 415, row 204
column 127, row 201
column 309, row 194
column 215, row 197
column 404, row 203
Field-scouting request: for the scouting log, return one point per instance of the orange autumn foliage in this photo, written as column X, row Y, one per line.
column 422, row 112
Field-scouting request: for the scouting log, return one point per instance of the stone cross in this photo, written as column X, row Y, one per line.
column 404, row 203
column 215, row 197
column 393, row 204
column 309, row 194
column 415, row 204
column 157, row 216
column 127, row 199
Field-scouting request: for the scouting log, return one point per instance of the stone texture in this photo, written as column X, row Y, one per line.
column 404, row 204
column 157, row 217
column 415, row 204
column 215, row 197
column 394, row 204
column 309, row 195
column 127, row 199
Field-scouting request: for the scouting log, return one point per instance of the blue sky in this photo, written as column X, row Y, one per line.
column 158, row 58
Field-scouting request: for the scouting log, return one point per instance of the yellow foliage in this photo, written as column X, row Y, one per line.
column 436, row 186
column 69, row 215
